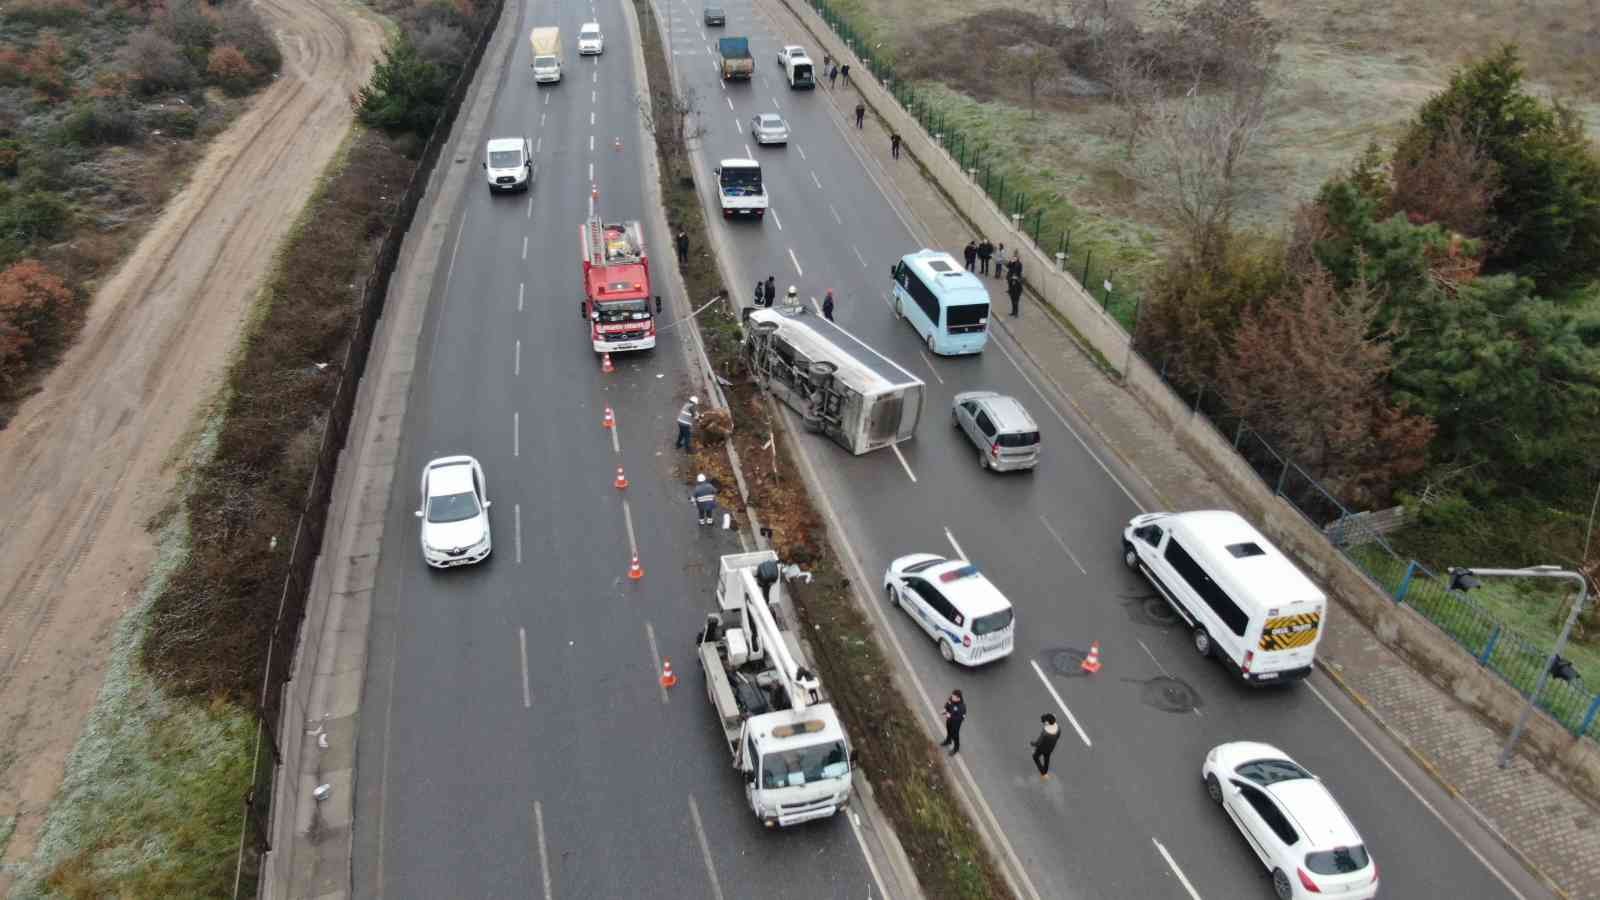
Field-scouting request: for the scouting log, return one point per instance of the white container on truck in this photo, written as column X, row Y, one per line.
column 786, row 740
column 546, row 62
column 740, row 190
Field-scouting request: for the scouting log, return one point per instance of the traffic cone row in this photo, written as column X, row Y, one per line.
column 622, row 480
column 605, row 363
column 667, row 678
column 635, row 571
column 1091, row 663
column 610, row 420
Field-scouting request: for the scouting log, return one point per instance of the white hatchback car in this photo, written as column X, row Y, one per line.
column 966, row 615
column 1291, row 821
column 454, row 513
column 590, row 41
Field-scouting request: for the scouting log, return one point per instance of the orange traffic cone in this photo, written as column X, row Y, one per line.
column 622, row 481
column 618, row 144
column 667, row 678
column 635, row 571
column 605, row 363
column 1091, row 663
column 594, row 191
column 610, row 420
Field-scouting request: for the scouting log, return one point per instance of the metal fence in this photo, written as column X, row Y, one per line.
column 1509, row 654
column 313, row 517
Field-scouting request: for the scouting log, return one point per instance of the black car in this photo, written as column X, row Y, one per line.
column 715, row 15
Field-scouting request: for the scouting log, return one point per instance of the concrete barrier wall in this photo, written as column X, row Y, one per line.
column 1423, row 645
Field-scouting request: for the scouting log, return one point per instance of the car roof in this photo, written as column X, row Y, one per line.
column 974, row 593
column 450, row 475
column 1010, row 413
column 589, row 26
column 504, row 144
column 1316, row 814
column 769, row 117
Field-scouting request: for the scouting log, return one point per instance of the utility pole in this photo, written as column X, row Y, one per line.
column 1466, row 580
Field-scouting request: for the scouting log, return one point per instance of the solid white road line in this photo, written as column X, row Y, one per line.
column 962, row 554
column 627, row 517
column 1417, row 794
column 835, row 214
column 903, row 464
column 521, row 286
column 705, row 848
column 438, row 325
column 655, row 658
column 815, row 180
column 522, row 644
column 1175, row 870
column 516, row 434
column 516, row 362
column 930, row 365
column 796, row 260
column 516, row 516
column 1059, row 702
column 861, row 841
column 1057, row 535
column 544, row 855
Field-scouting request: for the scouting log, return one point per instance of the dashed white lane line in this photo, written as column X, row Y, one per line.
column 591, row 122
column 530, row 204
column 521, row 287
column 627, row 518
column 516, row 360
column 857, row 252
column 747, row 153
column 835, row 214
column 516, row 434
column 961, row 554
column 1059, row 702
column 616, row 440
column 801, row 150
column 775, row 220
column 775, row 104
column 522, row 645
column 655, row 659
column 929, row 361
column 796, row 260
column 544, row 855
column 516, row 519
column 591, row 165
column 730, row 102
column 1062, row 544
column 705, row 849
column 738, row 127
column 1173, row 865
column 903, row 464
column 524, row 246
column 815, row 180
column 591, row 141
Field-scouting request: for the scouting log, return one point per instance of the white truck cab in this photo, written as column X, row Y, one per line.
column 508, row 164
column 740, row 189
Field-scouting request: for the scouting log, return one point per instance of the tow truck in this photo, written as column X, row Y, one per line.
column 616, row 286
column 786, row 740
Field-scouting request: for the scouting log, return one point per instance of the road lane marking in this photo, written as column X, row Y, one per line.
column 1163, row 670
column 861, row 841
column 521, row 286
column 903, row 464
column 930, row 365
column 522, row 644
column 705, row 848
column 747, row 153
column 1059, row 702
column 835, row 214
column 591, row 123
column 516, row 516
column 774, row 101
column 816, row 306
column 857, row 252
column 592, row 95
column 801, row 150
column 959, row 552
column 516, row 434
column 544, row 855
column 591, row 141
column 516, row 363
column 655, row 656
column 546, row 103
column 616, row 443
column 1063, row 544
column 738, row 127
column 796, row 260
column 730, row 102
column 775, row 220
column 541, row 117
column 1173, row 865
column 627, row 517
column 524, row 246
column 530, row 204
column 1421, row 799
column 815, row 180
column 438, row 325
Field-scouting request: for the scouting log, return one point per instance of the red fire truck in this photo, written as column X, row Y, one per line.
column 616, row 287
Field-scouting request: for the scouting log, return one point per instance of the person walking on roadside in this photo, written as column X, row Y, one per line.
column 999, row 254
column 1014, row 291
column 846, row 73
column 687, row 416
column 970, row 254
column 833, row 75
column 772, row 290
column 955, row 712
column 1045, row 744
column 985, row 253
column 827, row 305
column 705, row 499
column 894, row 145
column 683, row 246
column 861, row 109
column 1014, row 265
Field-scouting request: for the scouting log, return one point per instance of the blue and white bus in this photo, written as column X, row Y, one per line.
column 947, row 305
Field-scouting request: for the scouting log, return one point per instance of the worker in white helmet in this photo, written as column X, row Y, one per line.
column 705, row 499
column 792, row 298
column 687, row 416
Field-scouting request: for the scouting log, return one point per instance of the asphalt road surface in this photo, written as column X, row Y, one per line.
column 514, row 738
column 1127, row 815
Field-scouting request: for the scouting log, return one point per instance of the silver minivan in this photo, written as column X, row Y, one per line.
column 1001, row 429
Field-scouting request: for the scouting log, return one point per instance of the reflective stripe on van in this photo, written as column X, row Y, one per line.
column 1288, row 632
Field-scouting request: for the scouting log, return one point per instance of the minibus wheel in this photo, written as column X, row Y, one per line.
column 1202, row 642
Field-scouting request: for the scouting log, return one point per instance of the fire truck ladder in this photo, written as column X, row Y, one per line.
column 625, row 249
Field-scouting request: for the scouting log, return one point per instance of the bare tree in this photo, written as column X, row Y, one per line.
column 1031, row 65
column 1130, row 74
column 674, row 120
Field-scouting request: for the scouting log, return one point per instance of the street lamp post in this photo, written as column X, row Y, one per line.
column 1466, row 580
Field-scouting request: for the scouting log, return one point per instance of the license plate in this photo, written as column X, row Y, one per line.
column 1266, row 675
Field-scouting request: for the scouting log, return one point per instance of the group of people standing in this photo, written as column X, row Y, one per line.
column 978, row 255
column 955, row 713
column 767, row 292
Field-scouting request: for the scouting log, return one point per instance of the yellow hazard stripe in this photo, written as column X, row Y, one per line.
column 1288, row 632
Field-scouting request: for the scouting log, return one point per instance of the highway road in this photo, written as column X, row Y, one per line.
column 1127, row 816
column 514, row 739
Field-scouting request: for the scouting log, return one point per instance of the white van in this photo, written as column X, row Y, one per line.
column 1243, row 600
column 546, row 46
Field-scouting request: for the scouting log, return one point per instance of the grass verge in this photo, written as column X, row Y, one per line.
column 904, row 767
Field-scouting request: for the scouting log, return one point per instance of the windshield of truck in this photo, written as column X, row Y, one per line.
column 742, row 182
column 545, row 62
column 505, row 159
column 802, row 765
column 967, row 317
column 623, row 310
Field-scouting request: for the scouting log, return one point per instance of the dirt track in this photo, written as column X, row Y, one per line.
column 87, row 461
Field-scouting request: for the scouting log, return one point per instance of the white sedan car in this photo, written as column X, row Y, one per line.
column 454, row 513
column 590, row 41
column 1291, row 821
column 769, row 128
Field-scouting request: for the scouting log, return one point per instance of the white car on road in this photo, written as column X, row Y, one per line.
column 1291, row 821
column 454, row 512
column 966, row 615
column 590, row 41
column 789, row 50
column 508, row 164
column 769, row 128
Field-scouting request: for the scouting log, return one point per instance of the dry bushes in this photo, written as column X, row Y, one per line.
column 38, row 313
